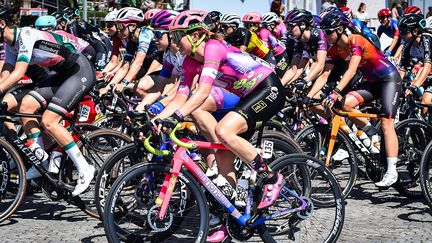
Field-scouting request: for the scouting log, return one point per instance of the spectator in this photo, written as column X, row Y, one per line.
column 394, row 10
column 430, row 12
column 341, row 3
column 361, row 13
column 277, row 7
column 327, row 4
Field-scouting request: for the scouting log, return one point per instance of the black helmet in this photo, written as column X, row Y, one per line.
column 334, row 19
column 298, row 16
column 411, row 21
column 60, row 16
column 6, row 14
column 215, row 16
column 72, row 12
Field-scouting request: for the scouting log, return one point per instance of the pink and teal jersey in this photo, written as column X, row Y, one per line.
column 227, row 67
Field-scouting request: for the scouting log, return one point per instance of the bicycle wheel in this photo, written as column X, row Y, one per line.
column 96, row 147
column 413, row 136
column 426, row 174
column 13, row 183
column 114, row 165
column 314, row 141
column 309, row 178
column 131, row 213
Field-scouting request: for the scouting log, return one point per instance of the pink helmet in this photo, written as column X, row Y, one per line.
column 252, row 17
column 150, row 13
column 192, row 19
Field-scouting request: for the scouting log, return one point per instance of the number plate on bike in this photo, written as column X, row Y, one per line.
column 267, row 148
column 84, row 113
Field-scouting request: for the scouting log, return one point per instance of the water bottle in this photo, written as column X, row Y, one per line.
column 242, row 188
column 55, row 161
column 225, row 187
column 37, row 150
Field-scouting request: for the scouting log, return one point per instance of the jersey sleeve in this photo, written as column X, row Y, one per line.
column 245, row 37
column 426, row 40
column 167, row 67
column 332, row 55
column 356, row 45
column 145, row 38
column 395, row 28
column 379, row 31
column 116, row 46
column 26, row 42
column 215, row 52
column 10, row 57
column 405, row 59
column 322, row 44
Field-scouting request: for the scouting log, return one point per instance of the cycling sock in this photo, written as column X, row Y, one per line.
column 77, row 157
column 391, row 165
column 37, row 137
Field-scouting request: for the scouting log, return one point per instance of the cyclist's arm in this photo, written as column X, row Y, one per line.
column 135, row 66
column 15, row 76
column 394, row 43
column 422, row 77
column 6, row 71
column 318, row 67
column 320, row 81
column 243, row 48
column 113, row 63
column 349, row 74
column 292, row 70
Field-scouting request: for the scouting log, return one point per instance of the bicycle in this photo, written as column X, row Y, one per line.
column 148, row 201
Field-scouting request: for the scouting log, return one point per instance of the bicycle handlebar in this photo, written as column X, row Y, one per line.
column 173, row 138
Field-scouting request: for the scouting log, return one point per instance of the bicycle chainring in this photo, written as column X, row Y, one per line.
column 308, row 212
column 238, row 232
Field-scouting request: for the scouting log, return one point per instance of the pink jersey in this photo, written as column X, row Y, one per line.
column 280, row 31
column 227, row 67
column 274, row 44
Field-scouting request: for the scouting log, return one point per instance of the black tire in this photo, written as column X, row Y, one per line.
column 309, row 178
column 116, row 164
column 96, row 147
column 13, row 181
column 315, row 137
column 413, row 136
column 143, row 198
column 426, row 174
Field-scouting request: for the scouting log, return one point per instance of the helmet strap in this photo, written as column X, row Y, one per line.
column 195, row 44
column 2, row 35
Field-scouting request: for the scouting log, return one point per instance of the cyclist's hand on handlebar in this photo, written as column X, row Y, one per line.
column 330, row 100
column 103, row 91
column 412, row 89
column 155, row 109
column 167, row 124
column 108, row 76
column 119, row 87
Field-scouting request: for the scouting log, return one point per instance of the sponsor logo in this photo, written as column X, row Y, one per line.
column 259, row 106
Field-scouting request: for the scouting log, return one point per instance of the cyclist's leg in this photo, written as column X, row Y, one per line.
column 80, row 81
column 427, row 99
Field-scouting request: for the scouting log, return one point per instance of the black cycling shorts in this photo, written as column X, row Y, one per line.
column 267, row 99
column 270, row 58
column 64, row 91
column 388, row 91
column 90, row 53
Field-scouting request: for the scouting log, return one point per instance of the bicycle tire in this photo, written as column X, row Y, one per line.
column 426, row 174
column 309, row 163
column 142, row 169
column 20, row 170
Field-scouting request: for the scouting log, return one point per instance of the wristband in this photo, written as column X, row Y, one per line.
column 124, row 81
column 337, row 90
column 179, row 115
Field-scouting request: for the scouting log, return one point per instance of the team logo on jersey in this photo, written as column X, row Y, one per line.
column 83, row 79
column 259, row 106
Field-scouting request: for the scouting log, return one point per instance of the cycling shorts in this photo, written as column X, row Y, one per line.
column 224, row 100
column 388, row 91
column 265, row 101
column 65, row 91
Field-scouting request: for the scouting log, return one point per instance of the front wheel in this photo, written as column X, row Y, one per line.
column 131, row 213
column 426, row 174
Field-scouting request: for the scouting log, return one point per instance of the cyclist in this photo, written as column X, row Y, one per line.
column 273, row 23
column 416, row 53
column 358, row 27
column 383, row 82
column 142, row 55
column 114, row 63
column 48, row 23
column 311, row 40
column 252, row 21
column 30, row 46
column 412, row 10
column 244, row 39
column 261, row 93
column 215, row 17
column 388, row 27
column 89, row 33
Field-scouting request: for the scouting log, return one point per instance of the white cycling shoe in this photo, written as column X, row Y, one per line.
column 388, row 180
column 84, row 180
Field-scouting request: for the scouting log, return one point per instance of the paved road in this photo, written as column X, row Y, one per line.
column 371, row 216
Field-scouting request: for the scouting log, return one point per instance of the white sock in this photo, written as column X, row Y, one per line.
column 391, row 165
column 77, row 157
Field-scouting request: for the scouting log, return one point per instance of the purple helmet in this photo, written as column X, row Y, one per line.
column 163, row 19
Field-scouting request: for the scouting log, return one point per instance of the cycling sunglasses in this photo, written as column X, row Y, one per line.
column 290, row 26
column 178, row 35
column 121, row 26
column 329, row 31
column 226, row 26
column 404, row 31
column 159, row 34
column 110, row 24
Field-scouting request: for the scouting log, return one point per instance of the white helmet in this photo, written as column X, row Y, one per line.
column 428, row 24
column 270, row 18
column 129, row 15
column 111, row 16
column 230, row 18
